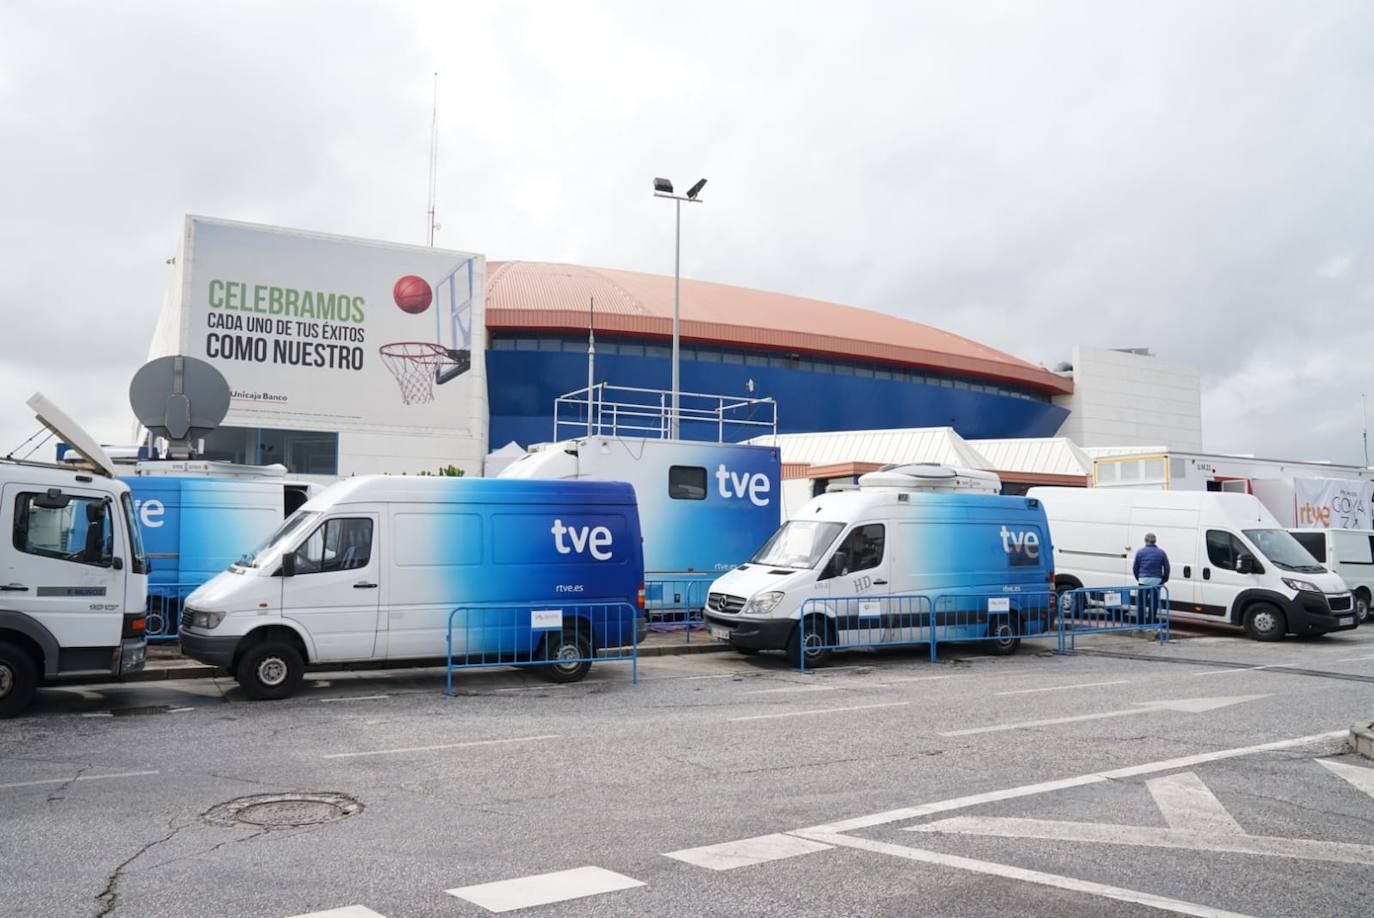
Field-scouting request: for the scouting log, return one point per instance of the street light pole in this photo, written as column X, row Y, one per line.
column 664, row 189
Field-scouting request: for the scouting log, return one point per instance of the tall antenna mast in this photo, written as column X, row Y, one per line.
column 433, row 158
column 1364, row 428
column 591, row 359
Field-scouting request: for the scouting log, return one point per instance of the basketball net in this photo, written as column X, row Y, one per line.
column 415, row 364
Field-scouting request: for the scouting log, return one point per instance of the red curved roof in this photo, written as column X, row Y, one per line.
column 553, row 297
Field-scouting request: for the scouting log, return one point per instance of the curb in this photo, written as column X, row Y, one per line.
column 1361, row 741
column 201, row 671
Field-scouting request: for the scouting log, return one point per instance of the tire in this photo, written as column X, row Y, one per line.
column 1265, row 622
column 18, row 679
column 817, row 627
column 571, row 643
column 1361, row 607
column 1003, row 640
column 270, row 671
column 744, row 651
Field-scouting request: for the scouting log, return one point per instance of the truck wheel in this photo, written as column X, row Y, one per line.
column 573, row 648
column 270, row 670
column 818, row 634
column 1264, row 622
column 1361, row 607
column 18, row 679
column 1004, row 637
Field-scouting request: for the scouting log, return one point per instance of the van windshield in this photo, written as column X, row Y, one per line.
column 798, row 544
column 1281, row 548
column 292, row 524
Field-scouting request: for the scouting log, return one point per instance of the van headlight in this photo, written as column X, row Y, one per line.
column 195, row 618
column 763, row 603
column 1301, row 585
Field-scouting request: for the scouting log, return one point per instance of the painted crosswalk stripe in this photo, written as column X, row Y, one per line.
column 1358, row 775
column 747, row 852
column 544, row 888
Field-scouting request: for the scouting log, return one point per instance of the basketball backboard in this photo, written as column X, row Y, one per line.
column 453, row 295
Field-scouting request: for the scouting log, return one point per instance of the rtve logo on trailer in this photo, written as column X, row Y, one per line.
column 594, row 539
column 755, row 486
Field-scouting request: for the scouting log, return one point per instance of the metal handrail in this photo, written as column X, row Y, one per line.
column 637, row 411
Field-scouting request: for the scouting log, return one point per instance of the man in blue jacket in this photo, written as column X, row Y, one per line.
column 1151, row 569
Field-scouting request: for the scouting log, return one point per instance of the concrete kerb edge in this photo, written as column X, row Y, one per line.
column 201, row 671
column 1361, row 740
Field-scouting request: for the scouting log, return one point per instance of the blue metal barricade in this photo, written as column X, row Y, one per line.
column 1102, row 610
column 1002, row 618
column 677, row 604
column 564, row 637
column 852, row 622
column 165, row 601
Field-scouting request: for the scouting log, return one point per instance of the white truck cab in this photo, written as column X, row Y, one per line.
column 73, row 574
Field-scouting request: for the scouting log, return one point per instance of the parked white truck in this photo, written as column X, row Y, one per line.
column 73, row 574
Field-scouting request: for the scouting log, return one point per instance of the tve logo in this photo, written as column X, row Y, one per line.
column 1022, row 548
column 150, row 512
column 755, row 486
column 584, row 539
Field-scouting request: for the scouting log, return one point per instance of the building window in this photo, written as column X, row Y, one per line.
column 303, row 452
column 687, row 482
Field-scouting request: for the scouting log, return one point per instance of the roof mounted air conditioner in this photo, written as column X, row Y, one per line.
column 931, row 476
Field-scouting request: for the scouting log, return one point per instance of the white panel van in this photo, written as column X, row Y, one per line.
column 1231, row 562
column 1349, row 553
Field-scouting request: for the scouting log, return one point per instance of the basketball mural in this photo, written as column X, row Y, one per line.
column 324, row 332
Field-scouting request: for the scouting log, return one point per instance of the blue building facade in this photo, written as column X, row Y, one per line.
column 527, row 371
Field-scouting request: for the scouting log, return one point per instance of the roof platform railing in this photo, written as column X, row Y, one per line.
column 627, row 411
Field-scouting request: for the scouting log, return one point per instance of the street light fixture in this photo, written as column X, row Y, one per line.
column 663, row 188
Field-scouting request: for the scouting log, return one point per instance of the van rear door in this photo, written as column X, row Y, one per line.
column 60, row 567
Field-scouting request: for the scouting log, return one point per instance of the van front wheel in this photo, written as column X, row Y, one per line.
column 18, row 679
column 1361, row 606
column 572, row 649
column 815, row 632
column 1264, row 622
column 270, row 671
column 1003, row 636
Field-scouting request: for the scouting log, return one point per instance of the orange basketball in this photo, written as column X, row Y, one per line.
column 412, row 294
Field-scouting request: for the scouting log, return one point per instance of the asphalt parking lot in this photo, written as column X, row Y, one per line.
column 1206, row 777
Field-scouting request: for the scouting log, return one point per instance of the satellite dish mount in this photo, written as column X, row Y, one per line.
column 180, row 399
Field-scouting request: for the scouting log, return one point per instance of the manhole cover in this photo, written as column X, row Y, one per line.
column 284, row 811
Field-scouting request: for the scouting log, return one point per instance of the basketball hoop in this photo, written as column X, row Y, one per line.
column 415, row 364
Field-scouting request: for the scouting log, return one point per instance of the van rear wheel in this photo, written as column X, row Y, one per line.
column 1264, row 622
column 270, row 671
column 572, row 649
column 18, row 679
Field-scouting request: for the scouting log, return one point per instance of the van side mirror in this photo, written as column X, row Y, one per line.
column 1245, row 565
column 288, row 564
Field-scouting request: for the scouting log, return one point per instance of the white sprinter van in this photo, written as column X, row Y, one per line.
column 1349, row 553
column 904, row 530
column 374, row 567
column 1231, row 562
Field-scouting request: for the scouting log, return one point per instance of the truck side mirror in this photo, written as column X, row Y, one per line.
column 117, row 563
column 1245, row 565
column 288, row 564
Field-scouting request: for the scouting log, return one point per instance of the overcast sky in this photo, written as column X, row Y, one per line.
column 1193, row 177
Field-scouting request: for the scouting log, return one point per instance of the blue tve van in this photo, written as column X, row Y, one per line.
column 378, row 567
column 984, row 562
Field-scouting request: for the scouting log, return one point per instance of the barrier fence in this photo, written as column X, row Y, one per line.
column 165, row 601
column 564, row 638
column 677, row 605
column 1001, row 620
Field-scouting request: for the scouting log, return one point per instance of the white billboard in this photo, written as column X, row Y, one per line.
column 318, row 332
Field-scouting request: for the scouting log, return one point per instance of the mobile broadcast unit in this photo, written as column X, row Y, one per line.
column 1231, row 561
column 73, row 575
column 905, row 530
column 376, row 568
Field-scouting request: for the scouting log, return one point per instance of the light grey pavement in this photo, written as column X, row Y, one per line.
column 1128, row 780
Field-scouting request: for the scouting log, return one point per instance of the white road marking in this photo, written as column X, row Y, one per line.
column 1186, row 705
column 1061, row 688
column 1189, row 805
column 1242, row 669
column 1029, row 790
column 1359, row 776
column 887, row 682
column 489, row 742
column 352, row 698
column 118, row 774
column 1353, row 659
column 861, row 707
column 1151, row 837
column 747, row 852
column 544, row 888
column 1006, row 871
column 348, row 911
column 792, row 688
